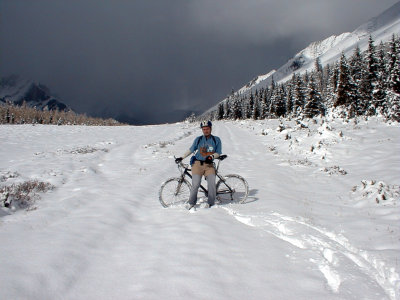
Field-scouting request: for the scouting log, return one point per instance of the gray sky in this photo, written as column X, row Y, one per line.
column 148, row 58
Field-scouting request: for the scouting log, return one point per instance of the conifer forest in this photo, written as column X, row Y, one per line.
column 365, row 84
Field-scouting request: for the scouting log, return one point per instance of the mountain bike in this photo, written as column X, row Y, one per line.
column 231, row 188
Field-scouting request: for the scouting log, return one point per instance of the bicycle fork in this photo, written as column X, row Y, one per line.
column 178, row 188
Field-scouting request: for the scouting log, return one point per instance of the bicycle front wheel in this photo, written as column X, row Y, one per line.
column 232, row 188
column 174, row 191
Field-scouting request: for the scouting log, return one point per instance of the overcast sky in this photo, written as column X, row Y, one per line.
column 148, row 58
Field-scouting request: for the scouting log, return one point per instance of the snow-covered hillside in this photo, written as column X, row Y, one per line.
column 321, row 222
column 18, row 90
column 381, row 28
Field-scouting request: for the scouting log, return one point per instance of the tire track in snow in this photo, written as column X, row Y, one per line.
column 330, row 250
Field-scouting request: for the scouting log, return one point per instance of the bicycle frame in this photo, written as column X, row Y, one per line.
column 185, row 171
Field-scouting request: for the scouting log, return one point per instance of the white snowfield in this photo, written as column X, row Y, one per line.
column 321, row 222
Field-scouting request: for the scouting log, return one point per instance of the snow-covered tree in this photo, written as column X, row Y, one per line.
column 393, row 93
column 313, row 106
column 346, row 90
column 357, row 67
column 380, row 84
column 220, row 111
column 299, row 95
column 370, row 79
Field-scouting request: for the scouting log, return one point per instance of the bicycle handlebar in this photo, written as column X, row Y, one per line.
column 186, row 166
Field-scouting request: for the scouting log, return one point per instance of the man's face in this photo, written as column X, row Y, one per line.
column 206, row 130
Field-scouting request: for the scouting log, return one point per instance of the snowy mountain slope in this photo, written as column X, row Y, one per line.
column 381, row 28
column 257, row 80
column 18, row 90
column 315, row 225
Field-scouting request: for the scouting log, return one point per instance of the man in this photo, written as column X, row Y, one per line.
column 206, row 148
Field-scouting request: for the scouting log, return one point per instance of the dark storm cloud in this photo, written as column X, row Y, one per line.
column 147, row 58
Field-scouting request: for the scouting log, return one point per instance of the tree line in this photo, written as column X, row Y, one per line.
column 14, row 114
column 364, row 84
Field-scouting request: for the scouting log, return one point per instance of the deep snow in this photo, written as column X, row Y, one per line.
column 315, row 225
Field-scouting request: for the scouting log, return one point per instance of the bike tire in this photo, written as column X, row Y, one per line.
column 232, row 188
column 174, row 191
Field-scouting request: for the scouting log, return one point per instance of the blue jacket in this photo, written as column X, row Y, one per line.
column 205, row 147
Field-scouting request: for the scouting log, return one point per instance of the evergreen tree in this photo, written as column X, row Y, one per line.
column 328, row 90
column 319, row 75
column 250, row 106
column 370, row 79
column 256, row 109
column 289, row 98
column 280, row 106
column 346, row 89
column 394, row 65
column 393, row 95
column 313, row 106
column 220, row 111
column 357, row 68
column 299, row 95
column 227, row 110
column 265, row 104
column 235, row 109
column 380, row 85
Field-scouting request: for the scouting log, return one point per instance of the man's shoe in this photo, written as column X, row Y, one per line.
column 189, row 206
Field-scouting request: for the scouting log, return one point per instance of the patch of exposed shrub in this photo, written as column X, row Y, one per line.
column 335, row 170
column 23, row 195
column 86, row 150
column 8, row 175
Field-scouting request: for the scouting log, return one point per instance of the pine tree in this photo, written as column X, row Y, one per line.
column 250, row 106
column 319, row 75
column 299, row 95
column 290, row 98
column 280, row 106
column 393, row 95
column 370, row 79
column 265, row 103
column 394, row 65
column 327, row 88
column 256, row 109
column 227, row 110
column 357, row 68
column 380, row 86
column 346, row 89
column 220, row 112
column 313, row 106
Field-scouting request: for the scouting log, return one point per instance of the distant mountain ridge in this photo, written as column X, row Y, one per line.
column 329, row 50
column 18, row 91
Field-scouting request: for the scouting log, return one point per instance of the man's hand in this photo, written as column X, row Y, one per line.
column 178, row 160
column 209, row 159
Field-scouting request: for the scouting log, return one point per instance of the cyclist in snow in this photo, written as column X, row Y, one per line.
column 206, row 148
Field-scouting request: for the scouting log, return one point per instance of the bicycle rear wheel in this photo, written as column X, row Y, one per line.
column 232, row 188
column 174, row 191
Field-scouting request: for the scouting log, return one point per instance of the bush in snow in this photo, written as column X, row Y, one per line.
column 23, row 195
column 377, row 190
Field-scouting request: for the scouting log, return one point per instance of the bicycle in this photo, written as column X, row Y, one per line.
column 230, row 188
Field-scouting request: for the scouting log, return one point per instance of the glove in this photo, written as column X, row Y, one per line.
column 178, row 160
column 209, row 159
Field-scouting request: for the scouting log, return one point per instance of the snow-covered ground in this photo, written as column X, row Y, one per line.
column 321, row 222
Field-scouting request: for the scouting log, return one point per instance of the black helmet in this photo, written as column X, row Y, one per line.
column 205, row 124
